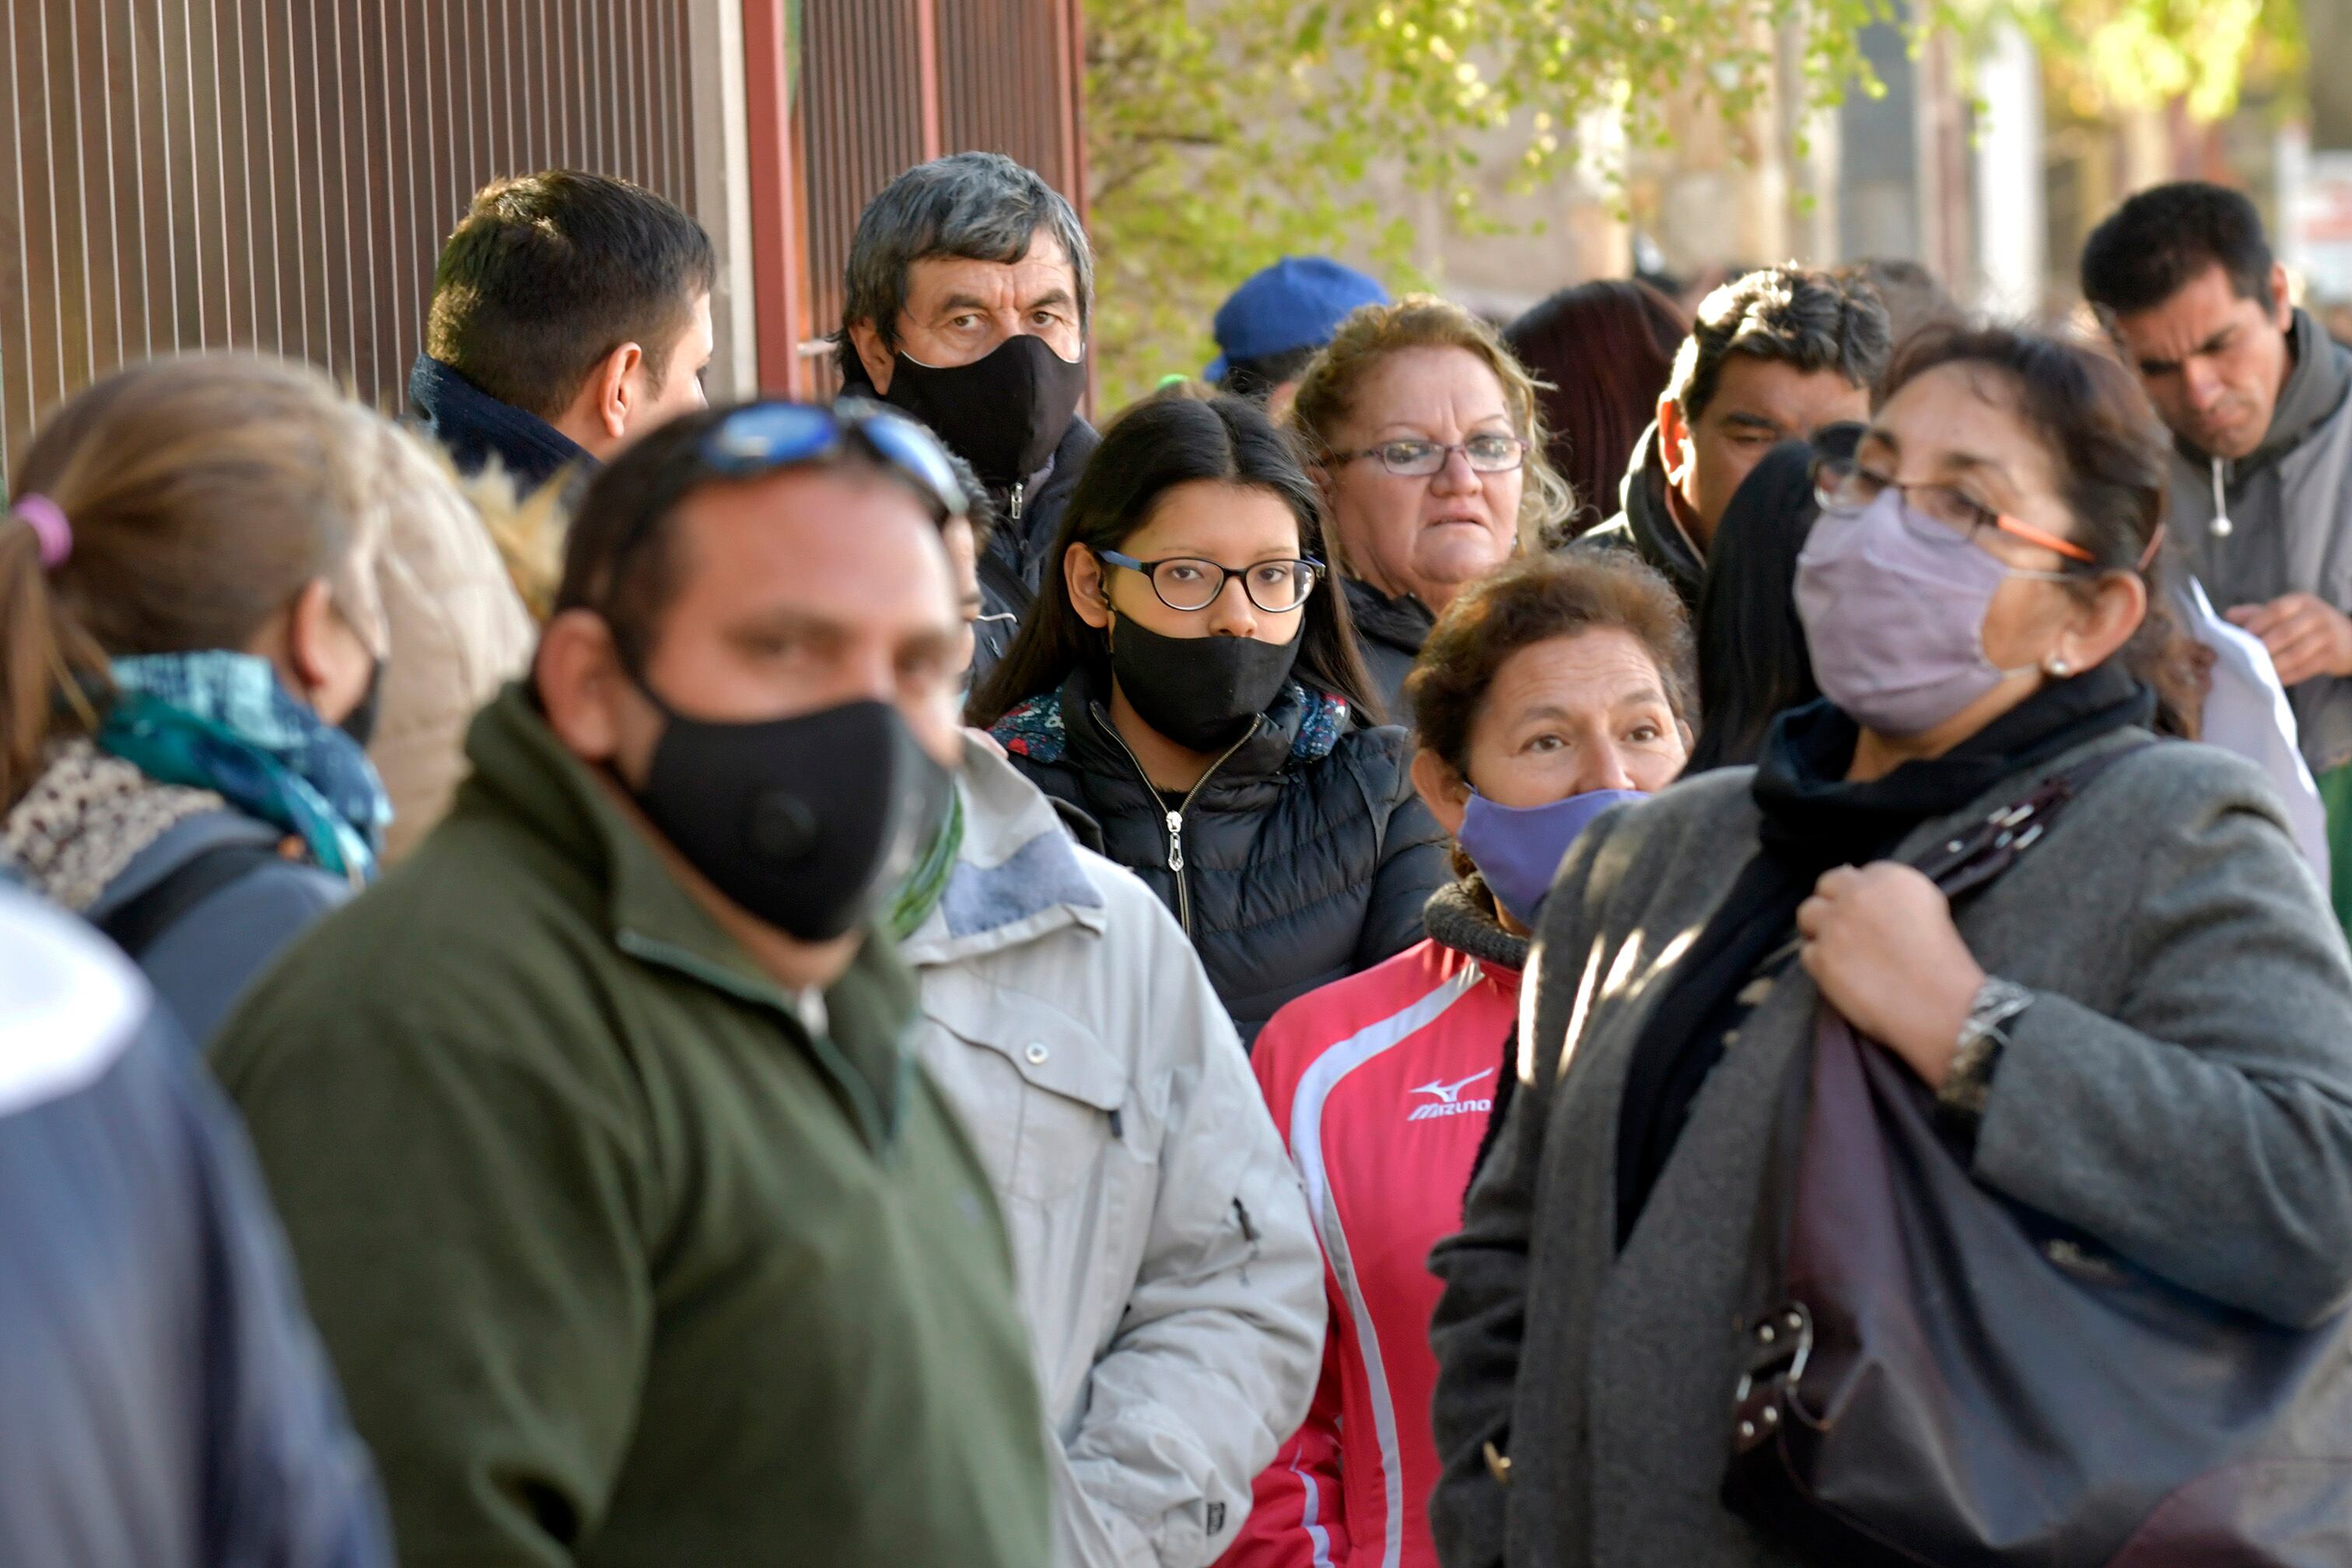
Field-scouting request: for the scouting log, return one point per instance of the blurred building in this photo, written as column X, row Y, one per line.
column 1990, row 169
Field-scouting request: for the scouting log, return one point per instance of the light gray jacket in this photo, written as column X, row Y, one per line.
column 2290, row 508
column 2180, row 1088
column 1168, row 1269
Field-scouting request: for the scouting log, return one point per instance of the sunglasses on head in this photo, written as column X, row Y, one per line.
column 760, row 437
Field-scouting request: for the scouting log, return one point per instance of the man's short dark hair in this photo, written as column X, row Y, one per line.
column 982, row 206
column 1813, row 320
column 550, row 272
column 2163, row 238
column 1256, row 378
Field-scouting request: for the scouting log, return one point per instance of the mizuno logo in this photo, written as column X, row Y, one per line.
column 1446, row 1091
column 1449, row 1100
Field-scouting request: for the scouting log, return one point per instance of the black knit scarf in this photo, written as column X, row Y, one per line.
column 1815, row 820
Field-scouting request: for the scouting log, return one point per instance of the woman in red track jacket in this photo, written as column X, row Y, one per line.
column 1544, row 696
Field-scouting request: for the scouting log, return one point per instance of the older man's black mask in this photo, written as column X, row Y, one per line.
column 1004, row 412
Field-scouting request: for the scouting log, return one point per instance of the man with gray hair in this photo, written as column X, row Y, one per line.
column 1775, row 355
column 966, row 303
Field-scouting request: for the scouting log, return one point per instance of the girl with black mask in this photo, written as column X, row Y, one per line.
column 1188, row 683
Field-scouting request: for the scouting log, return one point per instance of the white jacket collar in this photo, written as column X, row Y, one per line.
column 1018, row 874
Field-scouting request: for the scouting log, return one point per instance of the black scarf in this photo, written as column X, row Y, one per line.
column 1814, row 819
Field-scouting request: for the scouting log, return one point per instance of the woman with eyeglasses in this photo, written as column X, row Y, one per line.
column 1189, row 684
column 1430, row 446
column 2138, row 1034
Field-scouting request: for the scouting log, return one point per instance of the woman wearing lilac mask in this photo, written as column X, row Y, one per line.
column 1543, row 697
column 2141, row 1030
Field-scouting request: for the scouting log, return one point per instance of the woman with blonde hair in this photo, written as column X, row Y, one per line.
column 1430, row 445
column 190, row 636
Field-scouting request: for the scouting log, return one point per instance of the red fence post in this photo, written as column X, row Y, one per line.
column 778, row 255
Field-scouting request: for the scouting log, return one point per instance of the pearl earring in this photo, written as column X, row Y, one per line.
column 2059, row 668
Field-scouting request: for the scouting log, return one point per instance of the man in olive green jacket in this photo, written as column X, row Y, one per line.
column 636, row 1233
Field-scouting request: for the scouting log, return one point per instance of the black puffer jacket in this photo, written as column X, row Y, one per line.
column 1389, row 633
column 1304, row 853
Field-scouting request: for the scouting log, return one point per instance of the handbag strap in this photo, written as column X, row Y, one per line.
column 1964, row 864
column 1778, row 1332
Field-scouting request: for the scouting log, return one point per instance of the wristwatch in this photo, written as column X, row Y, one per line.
column 1967, row 1083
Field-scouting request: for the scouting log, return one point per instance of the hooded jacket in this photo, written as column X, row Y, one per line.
column 1302, row 857
column 1389, row 633
column 1167, row 1268
column 627, row 1255
column 163, row 1399
column 478, row 429
column 2290, row 508
column 456, row 629
column 1645, row 523
column 1381, row 1085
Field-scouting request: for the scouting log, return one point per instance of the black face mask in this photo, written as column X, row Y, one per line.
column 359, row 722
column 1199, row 692
column 806, row 822
column 1004, row 412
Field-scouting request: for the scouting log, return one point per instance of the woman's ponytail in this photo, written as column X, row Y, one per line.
column 46, row 660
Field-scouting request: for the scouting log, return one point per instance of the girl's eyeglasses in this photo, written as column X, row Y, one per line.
column 1189, row 582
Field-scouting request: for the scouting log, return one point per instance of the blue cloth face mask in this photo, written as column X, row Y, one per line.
column 1518, row 848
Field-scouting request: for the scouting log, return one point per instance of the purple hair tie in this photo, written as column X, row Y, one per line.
column 47, row 521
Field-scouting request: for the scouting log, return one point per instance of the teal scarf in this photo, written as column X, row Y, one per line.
column 222, row 721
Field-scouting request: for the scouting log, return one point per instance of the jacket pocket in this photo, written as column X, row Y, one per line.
column 1047, row 1097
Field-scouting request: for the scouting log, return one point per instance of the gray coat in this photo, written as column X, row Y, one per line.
column 2180, row 1088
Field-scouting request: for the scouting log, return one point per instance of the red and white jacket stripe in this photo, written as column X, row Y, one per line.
column 1381, row 1085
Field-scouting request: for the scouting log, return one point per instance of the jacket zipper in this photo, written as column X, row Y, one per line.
column 1012, row 501
column 1175, row 818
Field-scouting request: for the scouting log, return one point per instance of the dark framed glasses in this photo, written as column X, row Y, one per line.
column 1418, row 459
column 1189, row 582
column 759, row 438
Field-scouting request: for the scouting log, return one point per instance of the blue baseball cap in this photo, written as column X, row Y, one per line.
column 1296, row 303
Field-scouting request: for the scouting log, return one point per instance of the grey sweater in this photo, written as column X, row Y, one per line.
column 2181, row 1088
column 2290, row 506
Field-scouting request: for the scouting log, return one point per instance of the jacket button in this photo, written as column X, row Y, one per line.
column 1037, row 1053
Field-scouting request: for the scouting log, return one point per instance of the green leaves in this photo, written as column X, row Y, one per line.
column 1223, row 134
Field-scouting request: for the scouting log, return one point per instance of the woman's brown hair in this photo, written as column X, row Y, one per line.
column 1533, row 600
column 2094, row 418
column 1603, row 350
column 202, row 494
column 1335, row 377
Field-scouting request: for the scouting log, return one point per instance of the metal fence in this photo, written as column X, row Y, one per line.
column 279, row 174
column 886, row 84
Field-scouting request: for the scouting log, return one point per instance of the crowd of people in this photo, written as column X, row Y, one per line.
column 1599, row 938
